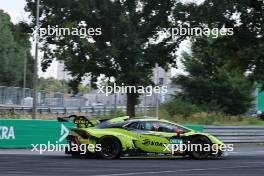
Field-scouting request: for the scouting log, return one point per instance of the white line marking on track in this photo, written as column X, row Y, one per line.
column 172, row 171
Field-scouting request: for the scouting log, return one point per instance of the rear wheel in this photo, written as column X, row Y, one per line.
column 110, row 148
column 73, row 150
column 219, row 155
column 202, row 151
column 77, row 155
column 82, row 154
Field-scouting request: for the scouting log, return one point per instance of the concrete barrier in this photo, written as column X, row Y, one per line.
column 237, row 134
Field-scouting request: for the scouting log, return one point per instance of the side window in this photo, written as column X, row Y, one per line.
column 160, row 127
column 170, row 128
column 133, row 125
column 150, row 126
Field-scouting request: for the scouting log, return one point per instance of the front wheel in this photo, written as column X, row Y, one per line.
column 110, row 148
column 201, row 147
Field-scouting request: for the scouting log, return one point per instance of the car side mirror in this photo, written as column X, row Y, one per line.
column 179, row 131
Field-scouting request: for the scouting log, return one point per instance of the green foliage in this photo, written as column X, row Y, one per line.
column 178, row 107
column 84, row 89
column 218, row 119
column 128, row 48
column 211, row 84
column 245, row 49
column 202, row 118
column 51, row 85
column 14, row 47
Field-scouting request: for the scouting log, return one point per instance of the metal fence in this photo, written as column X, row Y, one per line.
column 93, row 110
column 19, row 100
column 13, row 95
column 237, row 134
column 17, row 96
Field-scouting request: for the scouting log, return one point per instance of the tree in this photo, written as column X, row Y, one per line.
column 211, row 83
column 245, row 48
column 127, row 50
column 51, row 85
column 14, row 47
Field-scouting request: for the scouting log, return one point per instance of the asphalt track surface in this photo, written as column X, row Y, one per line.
column 244, row 161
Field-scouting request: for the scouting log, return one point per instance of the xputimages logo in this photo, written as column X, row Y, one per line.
column 124, row 89
column 60, row 146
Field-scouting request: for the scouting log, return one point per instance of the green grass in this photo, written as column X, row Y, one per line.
column 210, row 119
column 219, row 120
column 198, row 118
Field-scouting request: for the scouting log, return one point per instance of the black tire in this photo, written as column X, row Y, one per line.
column 87, row 154
column 261, row 116
column 110, row 148
column 77, row 155
column 200, row 154
column 219, row 155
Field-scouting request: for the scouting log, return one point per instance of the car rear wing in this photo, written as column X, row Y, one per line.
column 80, row 121
column 85, row 122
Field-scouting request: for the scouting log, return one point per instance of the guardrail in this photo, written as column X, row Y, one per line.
column 69, row 110
column 237, row 134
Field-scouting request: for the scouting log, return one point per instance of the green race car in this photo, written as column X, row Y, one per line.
column 122, row 136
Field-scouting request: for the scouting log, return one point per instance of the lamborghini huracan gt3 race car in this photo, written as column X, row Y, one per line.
column 139, row 137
